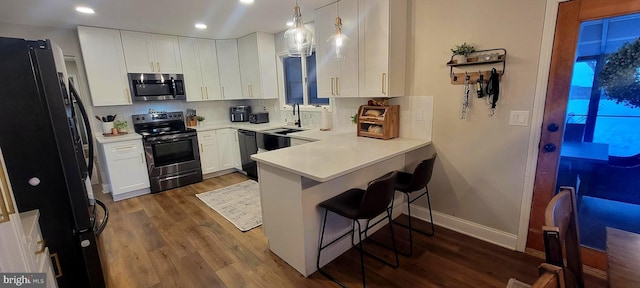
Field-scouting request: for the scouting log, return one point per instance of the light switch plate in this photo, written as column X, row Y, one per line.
column 519, row 118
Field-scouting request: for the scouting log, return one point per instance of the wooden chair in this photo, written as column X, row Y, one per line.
column 561, row 238
column 551, row 276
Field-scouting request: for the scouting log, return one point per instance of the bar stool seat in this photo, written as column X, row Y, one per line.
column 358, row 204
column 410, row 183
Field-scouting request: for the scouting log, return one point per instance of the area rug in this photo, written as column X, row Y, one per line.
column 238, row 203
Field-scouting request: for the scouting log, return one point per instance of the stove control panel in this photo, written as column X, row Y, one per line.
column 157, row 117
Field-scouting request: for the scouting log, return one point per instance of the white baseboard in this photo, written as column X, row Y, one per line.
column 484, row 233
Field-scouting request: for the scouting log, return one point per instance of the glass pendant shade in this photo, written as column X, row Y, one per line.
column 299, row 39
column 338, row 41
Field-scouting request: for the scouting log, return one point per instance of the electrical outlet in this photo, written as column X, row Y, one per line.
column 519, row 118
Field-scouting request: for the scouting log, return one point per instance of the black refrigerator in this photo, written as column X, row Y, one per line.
column 44, row 155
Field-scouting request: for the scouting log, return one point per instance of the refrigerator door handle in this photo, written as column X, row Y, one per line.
column 87, row 125
column 105, row 219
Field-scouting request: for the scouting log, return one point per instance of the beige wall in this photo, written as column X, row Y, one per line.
column 480, row 170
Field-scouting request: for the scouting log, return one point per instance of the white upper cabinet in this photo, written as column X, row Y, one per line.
column 200, row 69
column 105, row 66
column 229, row 69
column 151, row 53
column 382, row 47
column 257, row 55
column 337, row 77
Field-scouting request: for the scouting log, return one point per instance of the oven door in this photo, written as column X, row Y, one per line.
column 172, row 154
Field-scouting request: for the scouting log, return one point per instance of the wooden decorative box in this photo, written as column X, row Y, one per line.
column 379, row 121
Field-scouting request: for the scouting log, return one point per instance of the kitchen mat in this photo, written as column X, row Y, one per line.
column 238, row 203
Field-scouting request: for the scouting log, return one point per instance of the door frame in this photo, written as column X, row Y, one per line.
column 535, row 134
column 586, row 10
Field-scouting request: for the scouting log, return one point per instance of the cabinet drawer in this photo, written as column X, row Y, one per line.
column 123, row 148
column 207, row 136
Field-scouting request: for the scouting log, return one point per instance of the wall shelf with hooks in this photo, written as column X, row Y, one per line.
column 480, row 57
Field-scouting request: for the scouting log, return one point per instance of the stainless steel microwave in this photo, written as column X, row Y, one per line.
column 154, row 87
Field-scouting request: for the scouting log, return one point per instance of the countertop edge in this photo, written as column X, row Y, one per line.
column 347, row 171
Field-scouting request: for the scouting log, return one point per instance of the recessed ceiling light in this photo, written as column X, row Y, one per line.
column 289, row 23
column 246, row 1
column 201, row 26
column 85, row 10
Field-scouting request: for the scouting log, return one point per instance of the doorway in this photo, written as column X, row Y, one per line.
column 588, row 133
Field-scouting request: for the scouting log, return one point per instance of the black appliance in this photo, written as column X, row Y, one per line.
column 248, row 147
column 154, row 87
column 171, row 149
column 259, row 117
column 45, row 158
column 240, row 113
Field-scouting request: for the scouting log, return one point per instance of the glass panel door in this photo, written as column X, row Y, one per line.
column 600, row 153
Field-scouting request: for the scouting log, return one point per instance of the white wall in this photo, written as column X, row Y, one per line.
column 480, row 170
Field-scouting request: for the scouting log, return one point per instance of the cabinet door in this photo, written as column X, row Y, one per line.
column 191, row 69
column 327, row 66
column 209, row 68
column 267, row 64
column 383, row 37
column 105, row 66
column 208, row 152
column 374, row 48
column 228, row 148
column 337, row 77
column 166, row 52
column 347, row 82
column 249, row 66
column 127, row 166
column 138, row 52
column 229, row 69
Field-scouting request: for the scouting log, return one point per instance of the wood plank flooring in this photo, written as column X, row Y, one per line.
column 172, row 239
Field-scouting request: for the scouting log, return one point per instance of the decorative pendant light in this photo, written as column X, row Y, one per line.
column 338, row 41
column 299, row 39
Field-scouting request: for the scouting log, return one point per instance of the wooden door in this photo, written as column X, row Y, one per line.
column 570, row 15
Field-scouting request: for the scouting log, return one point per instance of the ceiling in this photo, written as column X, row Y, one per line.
column 224, row 18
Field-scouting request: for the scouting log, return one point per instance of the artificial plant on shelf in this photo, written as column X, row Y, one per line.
column 461, row 52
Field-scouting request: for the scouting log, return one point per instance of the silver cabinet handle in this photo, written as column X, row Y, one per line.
column 332, row 81
column 384, row 80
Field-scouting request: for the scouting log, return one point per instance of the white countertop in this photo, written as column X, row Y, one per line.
column 116, row 138
column 337, row 154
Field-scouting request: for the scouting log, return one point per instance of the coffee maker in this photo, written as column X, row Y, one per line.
column 240, row 113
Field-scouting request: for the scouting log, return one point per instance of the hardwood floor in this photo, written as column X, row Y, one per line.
column 172, row 239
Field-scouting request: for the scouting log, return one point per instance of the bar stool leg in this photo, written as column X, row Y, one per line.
column 411, row 229
column 364, row 284
column 324, row 223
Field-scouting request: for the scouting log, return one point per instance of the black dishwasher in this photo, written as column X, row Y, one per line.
column 248, row 147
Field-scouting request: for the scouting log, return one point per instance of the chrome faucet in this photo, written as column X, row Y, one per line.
column 298, row 122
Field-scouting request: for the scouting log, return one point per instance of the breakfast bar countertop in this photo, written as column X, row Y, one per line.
column 336, row 155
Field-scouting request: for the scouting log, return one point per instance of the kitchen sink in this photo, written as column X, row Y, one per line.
column 283, row 131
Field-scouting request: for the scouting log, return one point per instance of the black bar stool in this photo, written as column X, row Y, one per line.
column 357, row 204
column 408, row 184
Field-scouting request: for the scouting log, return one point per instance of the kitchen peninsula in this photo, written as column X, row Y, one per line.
column 294, row 180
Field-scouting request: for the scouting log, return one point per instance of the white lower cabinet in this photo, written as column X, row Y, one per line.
column 209, row 158
column 126, row 168
column 219, row 150
column 228, row 148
